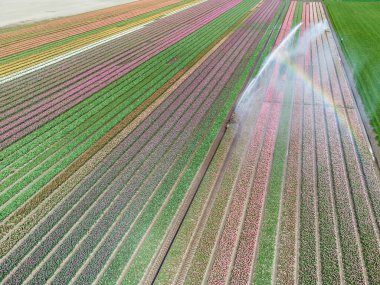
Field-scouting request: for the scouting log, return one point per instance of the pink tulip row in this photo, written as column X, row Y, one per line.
column 18, row 91
column 262, row 144
column 286, row 247
column 250, row 232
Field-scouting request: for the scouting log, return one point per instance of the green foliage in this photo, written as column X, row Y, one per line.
column 357, row 25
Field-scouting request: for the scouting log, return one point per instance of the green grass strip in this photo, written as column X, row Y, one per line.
column 356, row 24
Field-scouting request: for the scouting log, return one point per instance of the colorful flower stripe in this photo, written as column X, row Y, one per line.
column 249, row 238
column 139, row 262
column 35, row 56
column 94, row 57
column 57, row 155
column 198, row 270
column 266, row 246
column 15, row 33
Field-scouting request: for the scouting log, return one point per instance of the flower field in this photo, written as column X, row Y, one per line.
column 102, row 148
column 124, row 159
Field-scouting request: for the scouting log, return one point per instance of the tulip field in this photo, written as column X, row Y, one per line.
column 124, row 159
column 300, row 203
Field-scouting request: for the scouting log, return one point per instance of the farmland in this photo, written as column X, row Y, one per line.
column 135, row 148
column 360, row 36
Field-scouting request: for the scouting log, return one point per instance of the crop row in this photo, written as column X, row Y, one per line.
column 149, row 250
column 252, row 185
column 269, row 235
column 53, row 76
column 352, row 260
column 82, row 165
column 142, row 256
column 309, row 256
column 203, row 186
column 121, row 162
column 337, row 227
column 331, row 262
column 87, row 73
column 41, row 56
column 285, row 262
column 198, row 234
column 151, row 31
column 145, row 224
column 122, row 179
column 247, row 248
column 185, row 243
column 155, row 177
